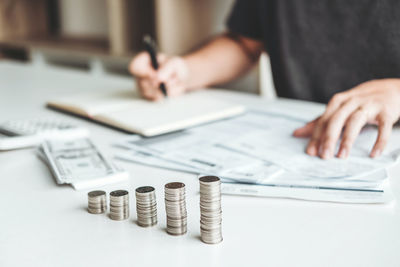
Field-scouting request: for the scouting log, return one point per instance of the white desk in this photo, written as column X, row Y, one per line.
column 43, row 224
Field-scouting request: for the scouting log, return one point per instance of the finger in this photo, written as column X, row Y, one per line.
column 384, row 131
column 145, row 89
column 168, row 70
column 334, row 103
column 141, row 65
column 334, row 128
column 153, row 95
column 306, row 130
column 314, row 144
column 353, row 127
column 147, row 84
column 174, row 87
column 162, row 58
column 149, row 90
column 176, row 90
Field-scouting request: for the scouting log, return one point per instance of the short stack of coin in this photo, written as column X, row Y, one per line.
column 210, row 209
column 97, row 202
column 119, row 205
column 175, row 206
column 146, row 206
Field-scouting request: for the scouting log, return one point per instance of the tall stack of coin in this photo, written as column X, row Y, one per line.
column 210, row 209
column 97, row 202
column 175, row 206
column 119, row 205
column 146, row 206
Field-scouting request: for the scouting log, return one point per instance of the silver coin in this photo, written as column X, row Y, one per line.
column 210, row 209
column 119, row 193
column 144, row 189
column 175, row 185
column 175, row 207
column 96, row 193
column 119, row 205
column 96, row 211
column 146, row 206
column 209, row 179
column 97, row 202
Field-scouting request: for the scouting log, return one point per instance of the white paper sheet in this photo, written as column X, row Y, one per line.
column 362, row 196
column 261, row 173
column 259, row 148
column 277, row 145
column 256, row 173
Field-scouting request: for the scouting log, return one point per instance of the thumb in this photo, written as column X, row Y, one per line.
column 306, row 130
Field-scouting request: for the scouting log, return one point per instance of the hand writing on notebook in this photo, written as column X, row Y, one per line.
column 173, row 71
column 375, row 102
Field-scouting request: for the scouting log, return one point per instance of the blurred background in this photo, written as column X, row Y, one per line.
column 101, row 36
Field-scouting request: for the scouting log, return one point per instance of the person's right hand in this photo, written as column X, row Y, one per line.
column 172, row 71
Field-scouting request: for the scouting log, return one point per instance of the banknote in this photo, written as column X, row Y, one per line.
column 77, row 161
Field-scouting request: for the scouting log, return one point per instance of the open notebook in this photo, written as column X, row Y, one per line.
column 127, row 111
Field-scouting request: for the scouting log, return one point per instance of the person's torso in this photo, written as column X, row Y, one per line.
column 321, row 47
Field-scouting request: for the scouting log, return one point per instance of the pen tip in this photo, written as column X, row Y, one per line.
column 147, row 38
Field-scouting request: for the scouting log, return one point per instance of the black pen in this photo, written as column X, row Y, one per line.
column 150, row 47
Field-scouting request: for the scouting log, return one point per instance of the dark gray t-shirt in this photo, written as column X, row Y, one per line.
column 320, row 47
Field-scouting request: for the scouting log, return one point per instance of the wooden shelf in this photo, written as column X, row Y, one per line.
column 128, row 21
column 78, row 46
column 93, row 45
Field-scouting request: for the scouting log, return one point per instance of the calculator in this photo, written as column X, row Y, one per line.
column 16, row 134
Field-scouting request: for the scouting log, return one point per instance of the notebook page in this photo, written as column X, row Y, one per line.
column 93, row 103
column 171, row 114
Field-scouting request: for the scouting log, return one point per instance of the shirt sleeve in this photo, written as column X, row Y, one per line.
column 244, row 19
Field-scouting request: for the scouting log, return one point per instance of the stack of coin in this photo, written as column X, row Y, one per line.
column 119, row 205
column 175, row 206
column 210, row 209
column 97, row 202
column 146, row 206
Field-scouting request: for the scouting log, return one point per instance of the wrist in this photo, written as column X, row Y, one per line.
column 189, row 70
column 193, row 67
column 392, row 84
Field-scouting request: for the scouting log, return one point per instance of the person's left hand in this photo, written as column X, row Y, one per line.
column 376, row 102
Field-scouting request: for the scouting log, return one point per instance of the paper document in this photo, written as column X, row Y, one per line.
column 277, row 145
column 258, row 148
column 256, row 173
column 360, row 196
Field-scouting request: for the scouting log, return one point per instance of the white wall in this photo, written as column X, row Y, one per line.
column 83, row 18
column 183, row 24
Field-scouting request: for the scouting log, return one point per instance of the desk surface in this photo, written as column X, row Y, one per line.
column 43, row 224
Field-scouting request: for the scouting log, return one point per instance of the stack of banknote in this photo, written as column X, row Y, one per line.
column 80, row 163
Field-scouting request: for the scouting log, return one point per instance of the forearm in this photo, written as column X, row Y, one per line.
column 221, row 60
